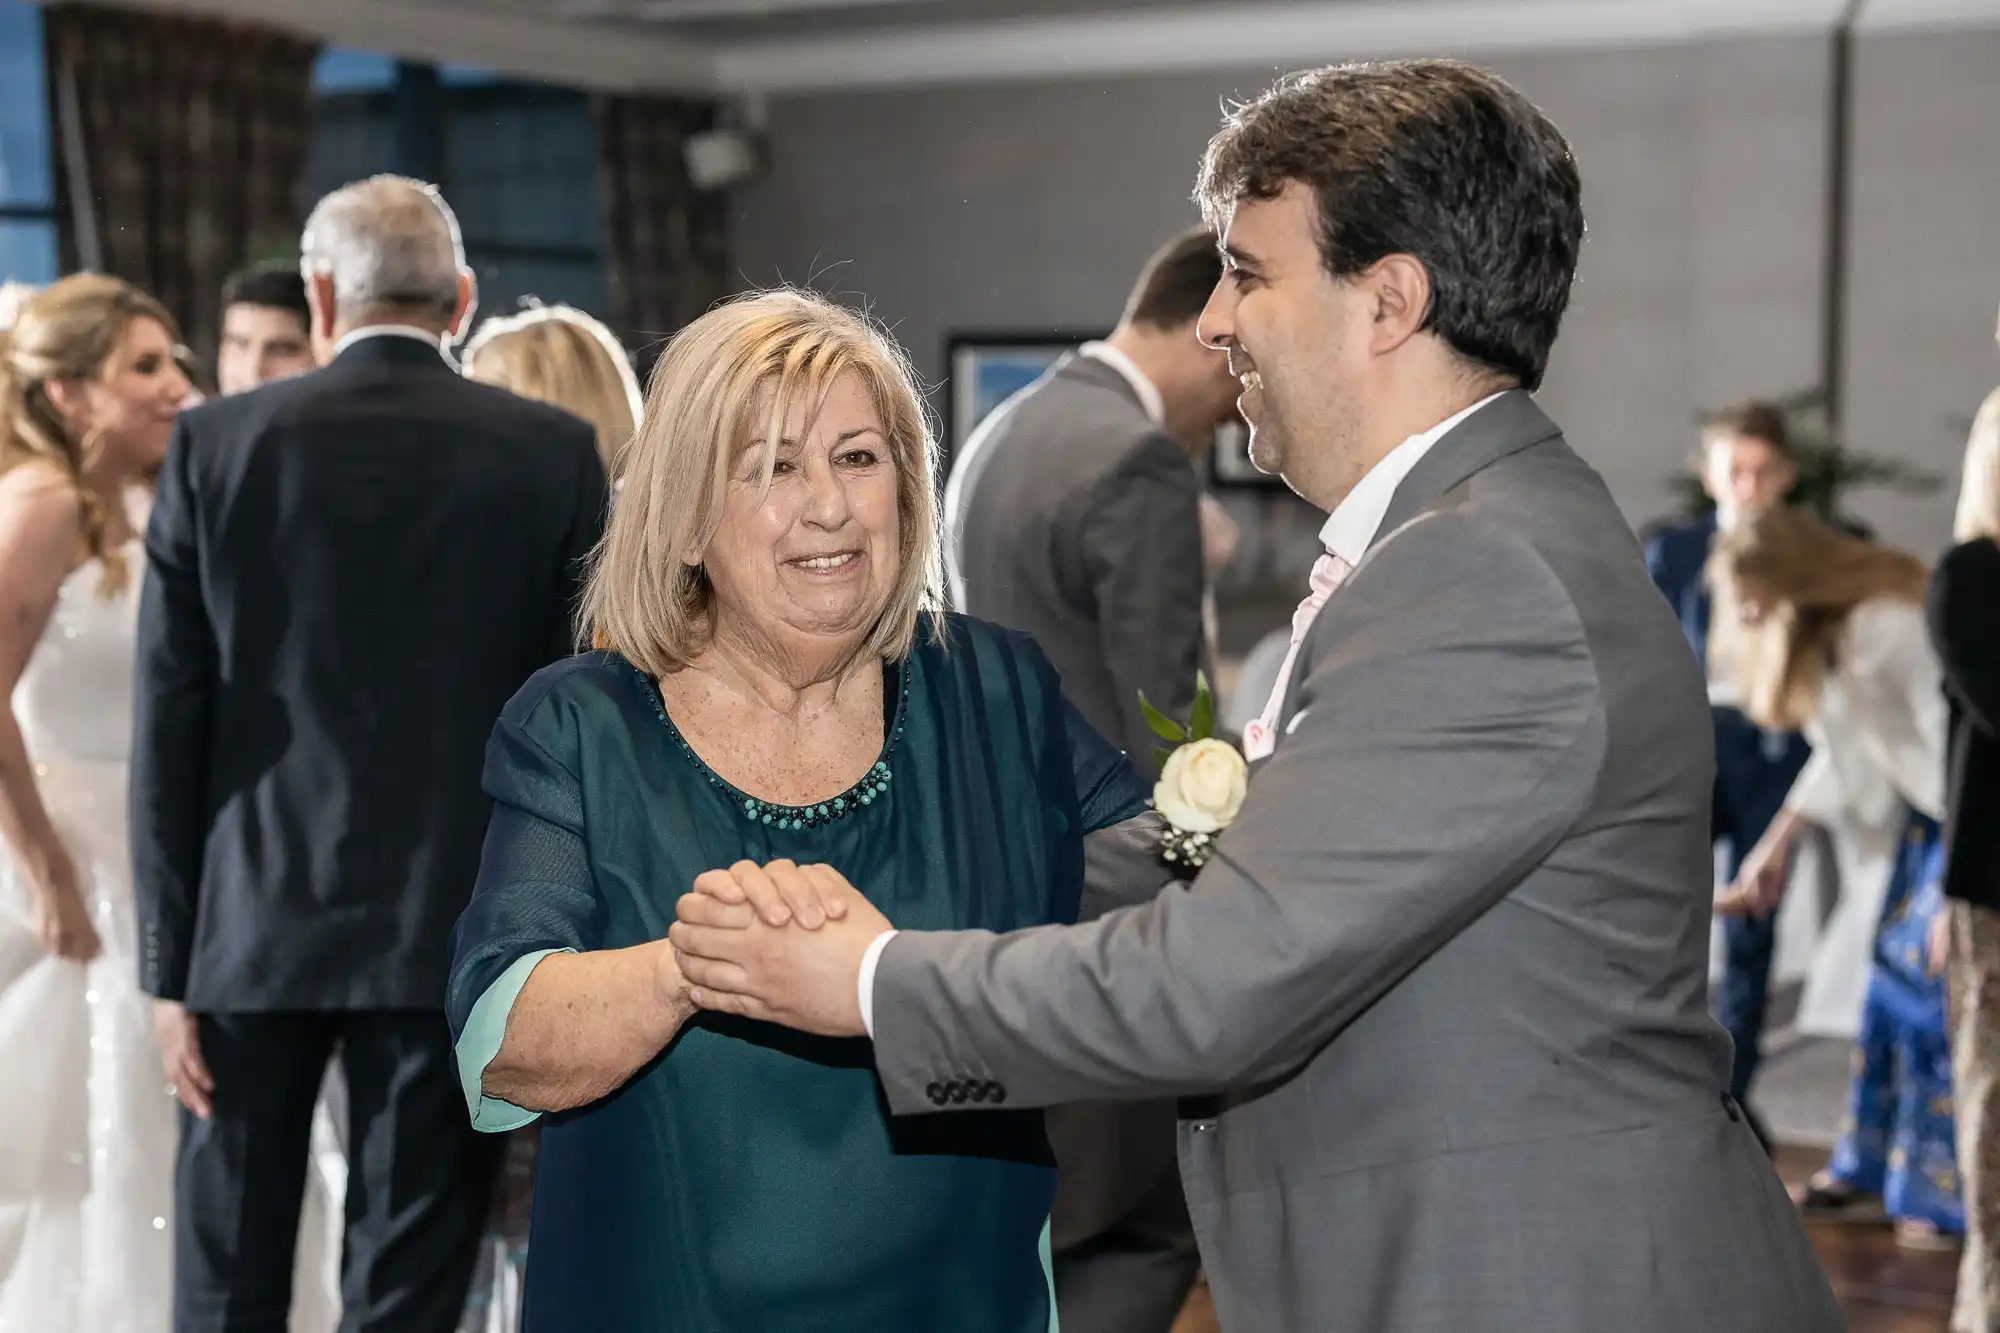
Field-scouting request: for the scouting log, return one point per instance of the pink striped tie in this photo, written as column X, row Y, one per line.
column 1261, row 736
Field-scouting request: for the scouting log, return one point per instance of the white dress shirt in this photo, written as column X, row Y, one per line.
column 1154, row 405
column 1348, row 533
column 1350, row 529
column 367, row 331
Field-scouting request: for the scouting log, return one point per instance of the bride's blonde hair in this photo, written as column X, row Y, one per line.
column 70, row 330
column 1807, row 577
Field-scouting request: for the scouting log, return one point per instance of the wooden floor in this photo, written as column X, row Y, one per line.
column 1883, row 1289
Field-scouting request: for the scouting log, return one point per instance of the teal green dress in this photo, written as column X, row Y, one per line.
column 751, row 1178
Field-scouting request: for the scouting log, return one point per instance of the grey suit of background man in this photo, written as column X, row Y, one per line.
column 1072, row 514
column 1438, row 1000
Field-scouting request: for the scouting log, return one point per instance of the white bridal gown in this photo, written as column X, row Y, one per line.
column 87, row 1126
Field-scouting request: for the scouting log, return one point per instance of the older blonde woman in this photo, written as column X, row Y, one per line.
column 778, row 685
column 556, row 354
column 1965, row 589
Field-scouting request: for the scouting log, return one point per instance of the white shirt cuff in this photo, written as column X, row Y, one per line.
column 868, row 962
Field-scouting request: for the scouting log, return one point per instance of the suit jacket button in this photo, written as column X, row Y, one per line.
column 958, row 1090
column 936, row 1093
column 978, row 1092
column 995, row 1093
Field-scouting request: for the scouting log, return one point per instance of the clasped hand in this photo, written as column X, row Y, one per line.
column 780, row 942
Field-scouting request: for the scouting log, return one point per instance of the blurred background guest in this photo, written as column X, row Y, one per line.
column 1964, row 615
column 1074, row 513
column 264, row 321
column 349, row 572
column 1745, row 464
column 557, row 354
column 89, row 389
column 1833, row 644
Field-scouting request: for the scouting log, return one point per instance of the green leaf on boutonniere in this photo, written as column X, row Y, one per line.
column 1201, row 724
column 1160, row 755
column 1163, row 726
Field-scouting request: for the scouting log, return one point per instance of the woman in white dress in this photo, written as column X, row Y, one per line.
column 89, row 388
column 1833, row 643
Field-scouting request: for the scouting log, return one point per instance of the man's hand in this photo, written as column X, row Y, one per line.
column 180, row 1054
column 739, row 963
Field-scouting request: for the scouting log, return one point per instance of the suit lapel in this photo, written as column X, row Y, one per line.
column 1506, row 426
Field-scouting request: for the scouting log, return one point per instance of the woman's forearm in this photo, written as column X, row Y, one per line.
column 585, row 1023
column 24, row 820
column 1784, row 829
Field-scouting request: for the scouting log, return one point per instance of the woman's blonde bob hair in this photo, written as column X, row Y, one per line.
column 557, row 354
column 1808, row 577
column 767, row 352
column 1979, row 489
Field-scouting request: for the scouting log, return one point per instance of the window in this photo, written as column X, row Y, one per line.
column 27, row 183
column 517, row 160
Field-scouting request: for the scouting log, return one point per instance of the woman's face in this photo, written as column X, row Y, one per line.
column 817, row 553
column 127, row 412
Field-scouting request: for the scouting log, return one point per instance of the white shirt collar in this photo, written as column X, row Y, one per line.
column 368, row 331
column 1149, row 394
column 1350, row 529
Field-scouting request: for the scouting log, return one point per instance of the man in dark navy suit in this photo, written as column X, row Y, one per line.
column 1746, row 463
column 349, row 574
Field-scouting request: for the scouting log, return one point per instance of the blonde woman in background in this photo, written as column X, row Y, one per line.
column 557, row 354
column 89, row 389
column 1832, row 643
column 1961, row 606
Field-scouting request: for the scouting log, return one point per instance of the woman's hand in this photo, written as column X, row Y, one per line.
column 672, row 986
column 62, row 922
column 1760, row 884
column 1937, row 944
column 780, row 893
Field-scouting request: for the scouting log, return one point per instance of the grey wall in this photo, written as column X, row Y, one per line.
column 1925, row 277
column 1704, row 171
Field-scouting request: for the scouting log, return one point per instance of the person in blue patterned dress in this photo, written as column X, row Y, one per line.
column 775, row 681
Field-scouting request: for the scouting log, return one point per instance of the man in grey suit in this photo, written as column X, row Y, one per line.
column 1438, row 999
column 1073, row 514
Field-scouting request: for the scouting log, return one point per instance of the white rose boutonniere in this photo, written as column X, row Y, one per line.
column 1202, row 780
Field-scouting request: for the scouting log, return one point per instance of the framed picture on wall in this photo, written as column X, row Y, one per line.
column 985, row 369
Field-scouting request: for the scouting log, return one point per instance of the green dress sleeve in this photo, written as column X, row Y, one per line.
column 535, row 894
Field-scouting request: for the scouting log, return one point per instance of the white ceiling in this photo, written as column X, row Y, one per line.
column 787, row 47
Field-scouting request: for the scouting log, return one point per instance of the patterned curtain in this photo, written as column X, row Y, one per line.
column 665, row 239
column 181, row 148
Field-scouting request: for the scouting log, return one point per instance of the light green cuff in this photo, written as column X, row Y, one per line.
column 485, row 1028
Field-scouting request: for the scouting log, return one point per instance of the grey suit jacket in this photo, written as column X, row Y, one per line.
column 1073, row 518
column 1441, row 992
column 1076, row 519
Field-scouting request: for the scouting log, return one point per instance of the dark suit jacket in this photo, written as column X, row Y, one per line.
column 1964, row 592
column 1075, row 518
column 350, row 573
column 1676, row 557
column 1078, row 520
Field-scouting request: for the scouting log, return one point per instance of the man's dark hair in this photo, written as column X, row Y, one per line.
column 1753, row 419
column 1176, row 283
column 1430, row 158
column 276, row 285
